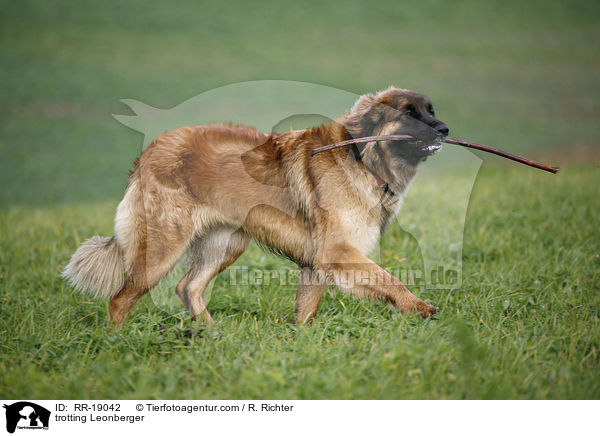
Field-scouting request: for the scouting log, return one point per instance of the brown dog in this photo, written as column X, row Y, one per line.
column 211, row 189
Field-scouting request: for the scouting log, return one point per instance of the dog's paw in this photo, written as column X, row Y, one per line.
column 426, row 310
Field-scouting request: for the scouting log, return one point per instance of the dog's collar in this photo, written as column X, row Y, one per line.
column 355, row 151
column 385, row 187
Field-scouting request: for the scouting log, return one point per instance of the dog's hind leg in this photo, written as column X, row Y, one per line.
column 158, row 246
column 210, row 254
column 144, row 274
column 308, row 297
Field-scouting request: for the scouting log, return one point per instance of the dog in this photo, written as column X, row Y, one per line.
column 209, row 190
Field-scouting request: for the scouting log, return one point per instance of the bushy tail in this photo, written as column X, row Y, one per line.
column 97, row 267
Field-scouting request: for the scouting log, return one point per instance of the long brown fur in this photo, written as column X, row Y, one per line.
column 209, row 190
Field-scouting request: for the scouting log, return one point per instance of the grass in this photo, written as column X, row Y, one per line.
column 525, row 324
column 523, row 76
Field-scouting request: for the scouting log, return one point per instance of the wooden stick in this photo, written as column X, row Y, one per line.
column 364, row 139
column 505, row 154
column 468, row 144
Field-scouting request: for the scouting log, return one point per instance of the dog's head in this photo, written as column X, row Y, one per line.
column 390, row 112
column 397, row 111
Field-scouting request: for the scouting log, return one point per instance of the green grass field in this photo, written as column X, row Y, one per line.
column 522, row 76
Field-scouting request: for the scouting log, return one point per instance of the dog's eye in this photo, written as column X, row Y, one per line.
column 430, row 109
column 410, row 110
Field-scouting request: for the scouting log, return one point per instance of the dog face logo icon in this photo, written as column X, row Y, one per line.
column 26, row 415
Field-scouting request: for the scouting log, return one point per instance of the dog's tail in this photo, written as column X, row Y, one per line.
column 101, row 265
column 97, row 267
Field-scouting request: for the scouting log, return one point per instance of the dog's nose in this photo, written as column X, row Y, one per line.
column 443, row 129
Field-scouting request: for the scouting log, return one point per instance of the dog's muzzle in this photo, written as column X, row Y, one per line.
column 442, row 129
column 434, row 148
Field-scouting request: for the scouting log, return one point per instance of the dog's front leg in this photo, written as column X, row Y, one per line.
column 353, row 272
column 308, row 297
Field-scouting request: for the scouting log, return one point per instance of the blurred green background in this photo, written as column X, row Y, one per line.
column 520, row 75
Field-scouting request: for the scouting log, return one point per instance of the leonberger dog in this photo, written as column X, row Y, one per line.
column 209, row 190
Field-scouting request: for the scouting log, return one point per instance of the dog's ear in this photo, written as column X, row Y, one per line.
column 260, row 161
column 364, row 116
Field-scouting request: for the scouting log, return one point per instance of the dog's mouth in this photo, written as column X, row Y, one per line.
column 427, row 142
column 420, row 150
column 430, row 150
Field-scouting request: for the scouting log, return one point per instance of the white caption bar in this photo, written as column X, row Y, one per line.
column 24, row 417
